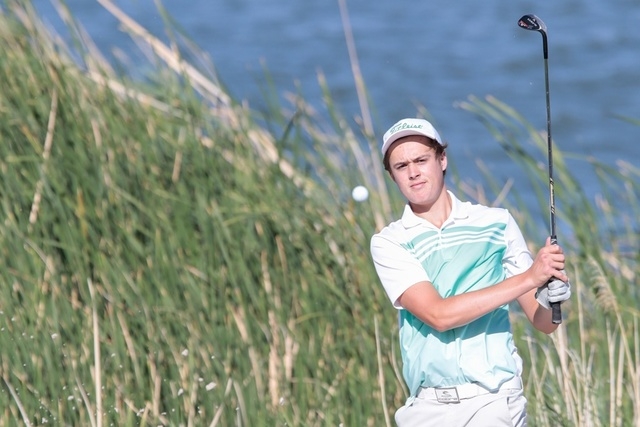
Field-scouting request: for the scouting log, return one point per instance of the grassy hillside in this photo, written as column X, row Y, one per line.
column 171, row 258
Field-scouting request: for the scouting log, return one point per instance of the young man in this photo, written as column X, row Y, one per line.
column 451, row 268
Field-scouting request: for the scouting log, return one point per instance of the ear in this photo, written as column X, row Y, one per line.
column 443, row 160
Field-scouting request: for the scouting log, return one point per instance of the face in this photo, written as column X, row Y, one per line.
column 417, row 171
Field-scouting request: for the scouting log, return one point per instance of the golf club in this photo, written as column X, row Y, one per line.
column 533, row 23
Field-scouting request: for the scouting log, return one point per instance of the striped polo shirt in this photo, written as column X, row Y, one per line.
column 476, row 247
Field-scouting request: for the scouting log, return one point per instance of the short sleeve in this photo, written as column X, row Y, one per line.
column 517, row 258
column 397, row 268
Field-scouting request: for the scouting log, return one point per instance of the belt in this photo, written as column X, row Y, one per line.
column 465, row 391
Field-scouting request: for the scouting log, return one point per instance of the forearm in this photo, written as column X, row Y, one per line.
column 446, row 313
column 539, row 316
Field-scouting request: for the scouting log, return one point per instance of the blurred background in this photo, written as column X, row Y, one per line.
column 433, row 54
column 152, row 275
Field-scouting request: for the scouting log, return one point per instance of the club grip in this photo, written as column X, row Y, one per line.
column 556, row 313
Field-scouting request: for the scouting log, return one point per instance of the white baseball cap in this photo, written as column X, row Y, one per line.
column 406, row 127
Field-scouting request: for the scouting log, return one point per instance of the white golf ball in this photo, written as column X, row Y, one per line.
column 360, row 193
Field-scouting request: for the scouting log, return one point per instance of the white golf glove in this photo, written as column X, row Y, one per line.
column 554, row 291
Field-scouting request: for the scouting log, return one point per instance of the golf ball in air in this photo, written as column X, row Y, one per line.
column 360, row 193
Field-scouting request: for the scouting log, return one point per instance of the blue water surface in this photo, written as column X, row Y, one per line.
column 433, row 53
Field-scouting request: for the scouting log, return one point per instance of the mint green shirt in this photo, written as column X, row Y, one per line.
column 475, row 248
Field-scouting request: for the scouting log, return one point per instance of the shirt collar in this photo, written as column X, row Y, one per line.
column 458, row 211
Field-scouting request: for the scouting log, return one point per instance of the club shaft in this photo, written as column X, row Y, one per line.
column 556, row 311
column 533, row 23
column 552, row 202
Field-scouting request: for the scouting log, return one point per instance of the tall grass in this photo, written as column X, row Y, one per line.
column 587, row 374
column 171, row 258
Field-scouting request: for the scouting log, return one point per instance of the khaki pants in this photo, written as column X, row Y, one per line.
column 505, row 408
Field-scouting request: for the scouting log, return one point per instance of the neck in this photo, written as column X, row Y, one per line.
column 438, row 212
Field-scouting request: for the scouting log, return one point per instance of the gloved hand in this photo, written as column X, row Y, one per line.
column 553, row 291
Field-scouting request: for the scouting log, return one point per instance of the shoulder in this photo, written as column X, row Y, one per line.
column 490, row 211
column 480, row 212
column 394, row 231
column 499, row 220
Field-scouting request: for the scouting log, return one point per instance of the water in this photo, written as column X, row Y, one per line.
column 433, row 53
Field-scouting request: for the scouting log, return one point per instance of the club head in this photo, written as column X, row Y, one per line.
column 533, row 23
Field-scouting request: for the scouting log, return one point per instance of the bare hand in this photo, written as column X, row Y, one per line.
column 548, row 264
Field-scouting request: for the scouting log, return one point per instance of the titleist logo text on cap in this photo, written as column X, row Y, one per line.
column 402, row 126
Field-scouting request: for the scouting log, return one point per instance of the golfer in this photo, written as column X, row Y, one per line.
column 451, row 268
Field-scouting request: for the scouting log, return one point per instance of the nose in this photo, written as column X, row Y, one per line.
column 414, row 171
